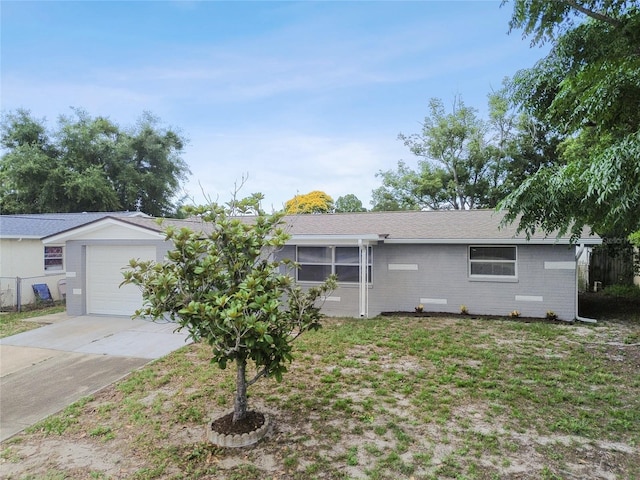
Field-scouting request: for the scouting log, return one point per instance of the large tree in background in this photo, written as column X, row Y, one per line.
column 88, row 164
column 312, row 202
column 587, row 89
column 400, row 190
column 463, row 160
column 349, row 203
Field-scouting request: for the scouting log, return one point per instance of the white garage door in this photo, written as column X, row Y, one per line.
column 104, row 276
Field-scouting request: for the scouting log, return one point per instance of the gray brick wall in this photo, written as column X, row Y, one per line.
column 437, row 276
column 442, row 275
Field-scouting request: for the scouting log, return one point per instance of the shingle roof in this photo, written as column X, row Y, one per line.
column 448, row 226
column 416, row 226
column 437, row 224
column 40, row 225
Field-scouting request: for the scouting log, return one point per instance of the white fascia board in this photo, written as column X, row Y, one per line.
column 589, row 241
column 354, row 240
column 492, row 241
column 20, row 237
column 100, row 224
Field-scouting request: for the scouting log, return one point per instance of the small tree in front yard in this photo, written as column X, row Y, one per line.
column 222, row 283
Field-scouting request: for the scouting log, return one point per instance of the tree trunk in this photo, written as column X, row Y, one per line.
column 240, row 404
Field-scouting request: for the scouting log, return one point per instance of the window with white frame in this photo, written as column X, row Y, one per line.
column 53, row 258
column 492, row 261
column 317, row 263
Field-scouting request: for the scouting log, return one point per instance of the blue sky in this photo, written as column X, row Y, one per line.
column 300, row 96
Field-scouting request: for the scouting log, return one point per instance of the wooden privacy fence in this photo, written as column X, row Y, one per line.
column 610, row 269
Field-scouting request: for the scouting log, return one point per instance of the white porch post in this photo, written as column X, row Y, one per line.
column 364, row 290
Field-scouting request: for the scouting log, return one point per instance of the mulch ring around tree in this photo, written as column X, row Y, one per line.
column 250, row 423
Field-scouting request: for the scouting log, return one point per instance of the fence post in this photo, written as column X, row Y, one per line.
column 19, row 293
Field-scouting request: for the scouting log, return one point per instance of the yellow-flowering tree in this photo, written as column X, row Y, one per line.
column 312, row 202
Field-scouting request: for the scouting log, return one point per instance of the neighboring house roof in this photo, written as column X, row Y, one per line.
column 40, row 225
column 437, row 226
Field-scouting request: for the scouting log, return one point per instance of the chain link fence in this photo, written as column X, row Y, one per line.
column 17, row 293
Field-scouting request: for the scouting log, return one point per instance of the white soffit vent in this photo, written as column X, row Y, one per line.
column 559, row 265
column 330, row 299
column 434, row 301
column 529, row 298
column 403, row 266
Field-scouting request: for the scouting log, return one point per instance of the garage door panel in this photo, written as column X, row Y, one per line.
column 105, row 265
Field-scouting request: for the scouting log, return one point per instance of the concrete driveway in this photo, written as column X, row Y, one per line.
column 44, row 370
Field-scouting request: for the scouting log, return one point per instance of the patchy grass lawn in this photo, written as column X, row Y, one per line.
column 12, row 323
column 386, row 398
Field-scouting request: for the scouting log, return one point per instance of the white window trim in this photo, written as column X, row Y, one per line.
column 496, row 278
column 333, row 264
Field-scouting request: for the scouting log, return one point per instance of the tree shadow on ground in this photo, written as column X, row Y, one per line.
column 601, row 306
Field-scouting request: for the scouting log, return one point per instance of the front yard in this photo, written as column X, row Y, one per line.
column 385, row 398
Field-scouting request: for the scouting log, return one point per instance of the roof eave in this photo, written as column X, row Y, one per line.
column 328, row 239
column 20, row 237
column 91, row 226
column 493, row 241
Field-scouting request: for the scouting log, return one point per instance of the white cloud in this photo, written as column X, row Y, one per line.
column 281, row 165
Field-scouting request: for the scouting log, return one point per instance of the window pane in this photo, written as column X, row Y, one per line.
column 348, row 274
column 317, row 263
column 492, row 253
column 53, row 258
column 348, row 255
column 52, row 252
column 314, row 255
column 53, row 264
column 489, row 268
column 314, row 273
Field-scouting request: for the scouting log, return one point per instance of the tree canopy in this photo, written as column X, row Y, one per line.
column 88, row 164
column 222, row 284
column 587, row 89
column 463, row 160
column 349, row 203
column 545, row 21
column 312, row 202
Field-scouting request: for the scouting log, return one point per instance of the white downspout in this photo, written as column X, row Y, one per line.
column 578, row 317
column 364, row 291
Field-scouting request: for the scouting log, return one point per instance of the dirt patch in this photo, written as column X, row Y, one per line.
column 61, row 454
